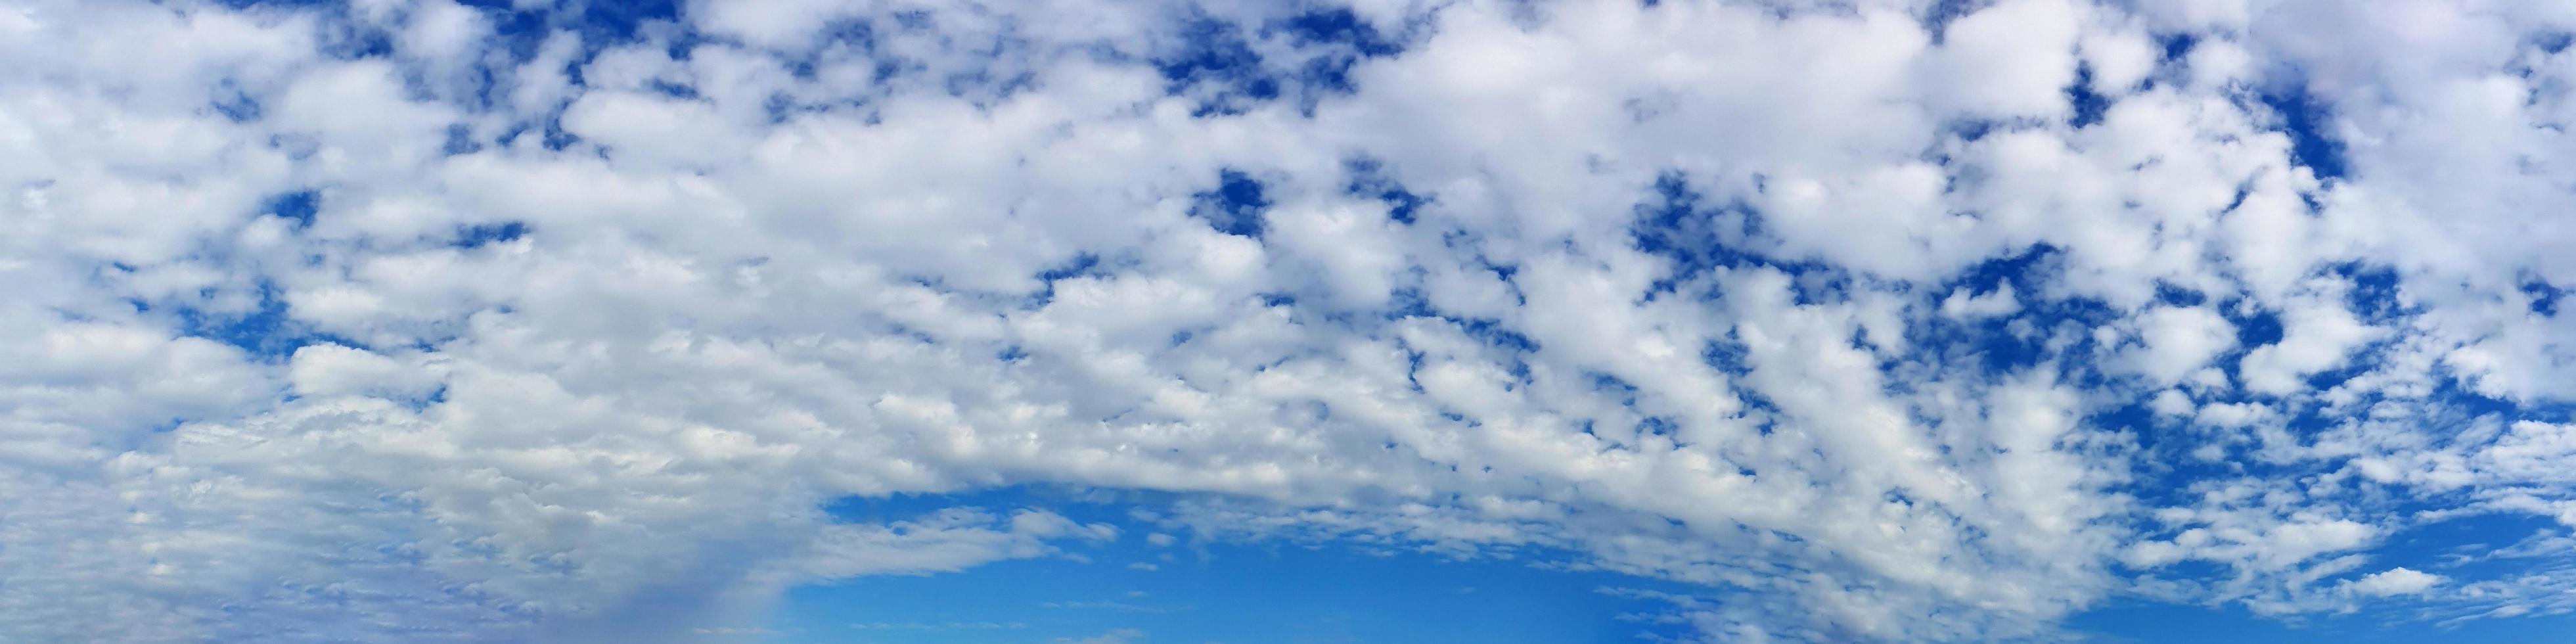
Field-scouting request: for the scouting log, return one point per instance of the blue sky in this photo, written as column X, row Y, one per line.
column 1327, row 592
column 1223, row 591
column 1313, row 321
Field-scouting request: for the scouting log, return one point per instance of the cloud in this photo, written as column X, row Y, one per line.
column 2178, row 340
column 2316, row 337
column 1881, row 321
column 2396, row 581
column 1998, row 302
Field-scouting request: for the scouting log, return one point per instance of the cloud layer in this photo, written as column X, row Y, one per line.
column 1878, row 319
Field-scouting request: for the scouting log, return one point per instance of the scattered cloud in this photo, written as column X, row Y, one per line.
column 2396, row 581
column 1882, row 319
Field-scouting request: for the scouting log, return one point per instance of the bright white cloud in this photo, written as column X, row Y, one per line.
column 2179, row 340
column 2396, row 581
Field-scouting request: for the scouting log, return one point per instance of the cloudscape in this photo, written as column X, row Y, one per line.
column 1180, row 321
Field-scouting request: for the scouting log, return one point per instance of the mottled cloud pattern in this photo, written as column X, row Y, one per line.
column 564, row 320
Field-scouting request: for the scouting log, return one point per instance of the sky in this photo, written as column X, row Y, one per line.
column 1183, row 321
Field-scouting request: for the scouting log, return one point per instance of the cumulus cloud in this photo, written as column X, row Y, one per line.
column 1887, row 319
column 2396, row 581
column 2178, row 340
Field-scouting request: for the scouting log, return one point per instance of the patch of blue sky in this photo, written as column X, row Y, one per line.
column 1197, row 590
column 2305, row 119
column 1235, row 207
column 1275, row 591
column 485, row 234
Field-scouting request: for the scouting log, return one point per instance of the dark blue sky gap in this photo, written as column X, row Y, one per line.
column 1236, row 206
column 2304, row 118
column 1220, row 588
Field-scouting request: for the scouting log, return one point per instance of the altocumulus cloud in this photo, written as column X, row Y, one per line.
column 557, row 320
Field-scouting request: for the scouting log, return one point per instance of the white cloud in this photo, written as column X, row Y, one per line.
column 2171, row 402
column 1998, row 302
column 756, row 269
column 2314, row 338
column 331, row 370
column 2012, row 58
column 2178, row 340
column 2396, row 581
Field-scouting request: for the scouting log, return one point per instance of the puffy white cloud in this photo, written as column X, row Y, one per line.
column 378, row 322
column 2396, row 581
column 2178, row 340
column 2010, row 59
column 2315, row 337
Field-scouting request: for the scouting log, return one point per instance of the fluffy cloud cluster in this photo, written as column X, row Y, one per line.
column 1885, row 319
